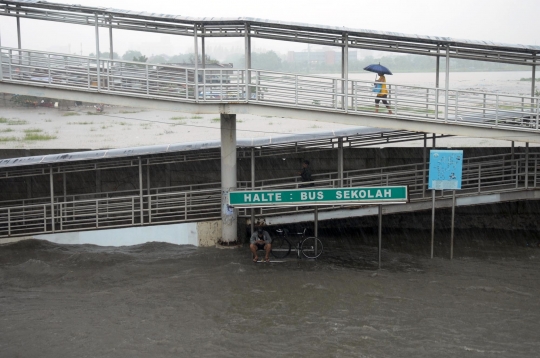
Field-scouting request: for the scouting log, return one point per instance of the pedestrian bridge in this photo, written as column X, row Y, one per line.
column 432, row 110
column 198, row 89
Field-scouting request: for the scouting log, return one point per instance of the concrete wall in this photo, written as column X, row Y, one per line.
column 202, row 234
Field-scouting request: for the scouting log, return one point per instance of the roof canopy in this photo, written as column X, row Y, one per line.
column 275, row 30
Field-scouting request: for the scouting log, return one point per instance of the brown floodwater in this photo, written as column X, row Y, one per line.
column 162, row 300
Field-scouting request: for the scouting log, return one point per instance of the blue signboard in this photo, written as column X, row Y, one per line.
column 445, row 167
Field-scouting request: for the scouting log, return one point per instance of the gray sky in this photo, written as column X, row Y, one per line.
column 495, row 20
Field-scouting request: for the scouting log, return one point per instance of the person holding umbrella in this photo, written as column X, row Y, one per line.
column 380, row 88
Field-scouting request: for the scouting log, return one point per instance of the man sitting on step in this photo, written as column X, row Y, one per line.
column 260, row 240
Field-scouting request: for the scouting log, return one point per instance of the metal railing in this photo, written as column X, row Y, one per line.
column 224, row 85
column 201, row 202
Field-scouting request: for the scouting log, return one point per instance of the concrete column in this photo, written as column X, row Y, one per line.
column 340, row 161
column 228, row 177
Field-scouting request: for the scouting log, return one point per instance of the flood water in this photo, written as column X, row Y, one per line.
column 162, row 300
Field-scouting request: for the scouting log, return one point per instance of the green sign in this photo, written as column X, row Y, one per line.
column 299, row 197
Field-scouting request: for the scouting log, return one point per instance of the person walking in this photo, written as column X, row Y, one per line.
column 383, row 94
column 305, row 174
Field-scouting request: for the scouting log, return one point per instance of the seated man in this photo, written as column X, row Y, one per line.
column 260, row 240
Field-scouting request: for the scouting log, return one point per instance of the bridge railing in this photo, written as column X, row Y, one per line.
column 487, row 174
column 223, row 85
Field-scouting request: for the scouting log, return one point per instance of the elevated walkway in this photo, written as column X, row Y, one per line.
column 267, row 93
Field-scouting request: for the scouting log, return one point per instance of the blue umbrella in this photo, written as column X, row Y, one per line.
column 378, row 68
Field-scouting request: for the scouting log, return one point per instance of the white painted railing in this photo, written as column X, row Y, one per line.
column 481, row 175
column 228, row 85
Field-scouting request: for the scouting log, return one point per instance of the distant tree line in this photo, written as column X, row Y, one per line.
column 271, row 61
column 137, row 56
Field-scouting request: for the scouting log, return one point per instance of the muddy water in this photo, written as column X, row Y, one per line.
column 161, row 300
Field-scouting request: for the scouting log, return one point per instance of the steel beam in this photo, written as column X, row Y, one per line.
column 247, row 58
column 196, row 62
column 228, row 177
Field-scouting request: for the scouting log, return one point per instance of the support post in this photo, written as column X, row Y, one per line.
column 141, row 191
column 98, row 69
column 203, row 53
column 228, row 177
column 19, row 46
column 424, row 161
column 196, row 62
column 447, row 83
column 98, row 180
column 438, row 67
column 247, row 55
column 147, row 176
column 345, row 72
column 380, row 234
column 340, row 161
column 111, row 47
column 252, row 188
column 527, row 165
column 452, row 228
column 434, row 139
column 316, row 224
column 51, row 180
column 432, row 220
column 533, row 79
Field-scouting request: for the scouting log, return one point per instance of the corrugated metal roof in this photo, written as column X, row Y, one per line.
column 181, row 147
column 297, row 25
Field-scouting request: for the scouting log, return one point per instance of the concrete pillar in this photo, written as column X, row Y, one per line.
column 228, row 177
column 340, row 161
column 98, row 69
column 533, row 79
column 18, row 31
column 203, row 53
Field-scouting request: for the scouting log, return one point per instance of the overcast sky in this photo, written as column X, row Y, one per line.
column 495, row 20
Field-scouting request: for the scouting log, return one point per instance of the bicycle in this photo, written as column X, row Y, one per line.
column 311, row 247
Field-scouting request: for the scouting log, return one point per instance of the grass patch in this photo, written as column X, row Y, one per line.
column 270, row 123
column 196, row 117
column 93, row 113
column 177, row 118
column 216, row 119
column 8, row 139
column 16, row 122
column 7, row 130
column 68, row 114
column 48, row 120
column 33, row 130
column 38, row 136
column 126, row 112
column 12, row 122
column 81, row 123
column 146, row 125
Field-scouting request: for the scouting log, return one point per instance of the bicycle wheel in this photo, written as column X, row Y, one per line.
column 281, row 247
column 312, row 247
